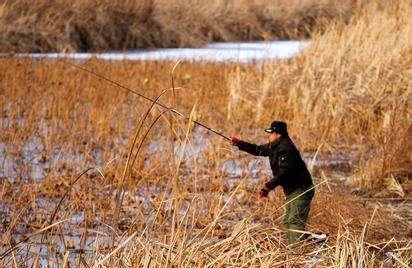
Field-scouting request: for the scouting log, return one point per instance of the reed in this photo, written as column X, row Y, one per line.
column 83, row 25
column 346, row 98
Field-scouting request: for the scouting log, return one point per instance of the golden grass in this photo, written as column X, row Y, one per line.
column 348, row 94
column 84, row 25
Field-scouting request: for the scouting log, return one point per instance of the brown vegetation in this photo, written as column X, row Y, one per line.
column 84, row 25
column 347, row 96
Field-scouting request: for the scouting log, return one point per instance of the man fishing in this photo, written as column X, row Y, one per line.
column 289, row 171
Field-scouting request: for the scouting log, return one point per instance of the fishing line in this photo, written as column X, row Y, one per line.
column 148, row 99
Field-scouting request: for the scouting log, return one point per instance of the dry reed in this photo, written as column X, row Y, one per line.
column 347, row 95
column 84, row 25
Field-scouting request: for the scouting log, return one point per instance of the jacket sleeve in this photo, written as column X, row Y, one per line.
column 258, row 150
column 287, row 168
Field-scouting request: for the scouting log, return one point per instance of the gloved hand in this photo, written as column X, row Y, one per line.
column 263, row 193
column 234, row 140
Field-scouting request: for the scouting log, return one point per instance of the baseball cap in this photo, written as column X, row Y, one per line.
column 279, row 127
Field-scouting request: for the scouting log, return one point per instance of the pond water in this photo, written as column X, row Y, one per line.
column 238, row 52
column 35, row 167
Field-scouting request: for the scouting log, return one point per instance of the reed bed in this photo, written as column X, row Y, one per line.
column 94, row 176
column 85, row 25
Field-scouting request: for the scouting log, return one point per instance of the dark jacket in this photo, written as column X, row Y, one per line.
column 289, row 170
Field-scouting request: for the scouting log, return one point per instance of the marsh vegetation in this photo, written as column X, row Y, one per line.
column 92, row 175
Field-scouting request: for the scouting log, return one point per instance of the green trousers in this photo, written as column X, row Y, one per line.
column 297, row 211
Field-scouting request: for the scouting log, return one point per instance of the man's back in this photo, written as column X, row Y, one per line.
column 289, row 166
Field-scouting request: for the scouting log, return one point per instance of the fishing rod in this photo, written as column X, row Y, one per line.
column 148, row 99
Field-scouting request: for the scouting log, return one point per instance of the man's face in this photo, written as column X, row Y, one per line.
column 274, row 137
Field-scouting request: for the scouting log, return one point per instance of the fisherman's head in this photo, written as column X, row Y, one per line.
column 277, row 130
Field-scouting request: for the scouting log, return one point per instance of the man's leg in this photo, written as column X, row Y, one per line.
column 297, row 211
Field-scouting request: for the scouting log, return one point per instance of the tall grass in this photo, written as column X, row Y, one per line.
column 348, row 92
column 347, row 96
column 251, row 245
column 85, row 25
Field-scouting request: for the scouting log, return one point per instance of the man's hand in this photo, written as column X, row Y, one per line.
column 234, row 140
column 263, row 193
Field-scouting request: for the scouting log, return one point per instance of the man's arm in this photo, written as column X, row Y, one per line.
column 258, row 150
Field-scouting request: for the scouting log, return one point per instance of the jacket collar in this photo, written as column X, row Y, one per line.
column 276, row 144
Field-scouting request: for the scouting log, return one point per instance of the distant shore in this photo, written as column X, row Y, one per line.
column 83, row 26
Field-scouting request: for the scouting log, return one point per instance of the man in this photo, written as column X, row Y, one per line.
column 289, row 171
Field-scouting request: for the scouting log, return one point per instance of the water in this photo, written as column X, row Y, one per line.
column 220, row 52
column 37, row 166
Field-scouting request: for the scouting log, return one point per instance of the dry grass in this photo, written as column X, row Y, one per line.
column 347, row 95
column 83, row 25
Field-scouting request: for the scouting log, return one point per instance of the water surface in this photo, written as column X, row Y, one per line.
column 221, row 52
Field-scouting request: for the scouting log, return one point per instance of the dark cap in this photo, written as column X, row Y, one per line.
column 278, row 127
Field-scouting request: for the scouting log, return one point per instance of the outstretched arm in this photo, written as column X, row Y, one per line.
column 258, row 150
